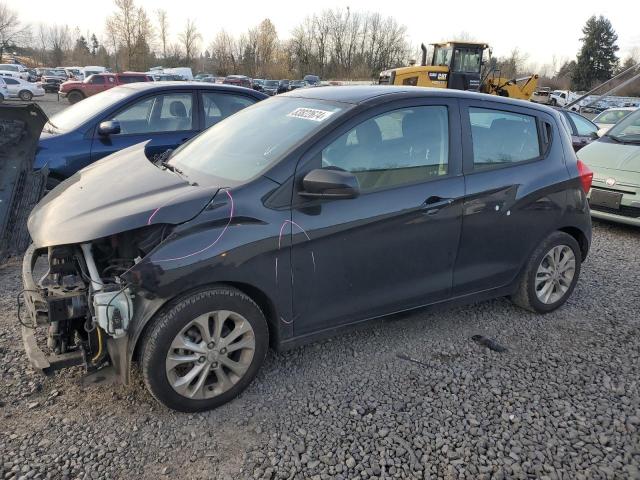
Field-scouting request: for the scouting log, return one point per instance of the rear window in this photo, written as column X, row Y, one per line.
column 501, row 138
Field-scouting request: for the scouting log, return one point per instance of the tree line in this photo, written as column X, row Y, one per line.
column 335, row 43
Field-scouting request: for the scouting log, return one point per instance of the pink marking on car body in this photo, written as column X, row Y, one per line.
column 215, row 241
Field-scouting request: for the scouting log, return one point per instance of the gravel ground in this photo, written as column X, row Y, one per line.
column 412, row 397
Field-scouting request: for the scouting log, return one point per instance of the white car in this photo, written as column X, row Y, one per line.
column 14, row 70
column 4, row 91
column 22, row 89
column 608, row 118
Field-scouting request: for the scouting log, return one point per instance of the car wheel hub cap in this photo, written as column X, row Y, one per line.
column 210, row 354
column 555, row 274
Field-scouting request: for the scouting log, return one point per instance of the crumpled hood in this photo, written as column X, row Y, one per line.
column 614, row 156
column 121, row 192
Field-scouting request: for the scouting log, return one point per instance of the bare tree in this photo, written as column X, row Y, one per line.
column 12, row 32
column 163, row 30
column 131, row 28
column 190, row 39
column 60, row 43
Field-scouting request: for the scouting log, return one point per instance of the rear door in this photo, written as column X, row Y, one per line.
column 514, row 192
column 166, row 120
column 394, row 246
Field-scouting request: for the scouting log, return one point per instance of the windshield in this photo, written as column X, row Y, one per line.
column 442, row 56
column 467, row 60
column 75, row 115
column 271, row 83
column 628, row 129
column 246, row 144
column 611, row 116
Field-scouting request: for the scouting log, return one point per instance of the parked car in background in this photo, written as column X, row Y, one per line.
column 615, row 161
column 270, row 87
column 542, row 95
column 4, row 91
column 75, row 91
column 257, row 84
column 92, row 70
column 561, row 98
column 14, row 70
column 283, row 86
column 51, row 79
column 166, row 114
column 23, row 89
column 197, row 254
column 74, row 73
column 202, row 76
column 32, row 75
column 583, row 131
column 294, row 84
column 608, row 118
column 312, row 80
column 238, row 80
column 184, row 73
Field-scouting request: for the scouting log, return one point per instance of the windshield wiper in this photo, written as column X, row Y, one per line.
column 173, row 168
column 622, row 140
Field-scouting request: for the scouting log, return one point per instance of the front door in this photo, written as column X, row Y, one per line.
column 166, row 120
column 394, row 246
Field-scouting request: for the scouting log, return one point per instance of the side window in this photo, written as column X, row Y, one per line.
column 97, row 80
column 400, row 147
column 501, row 137
column 221, row 105
column 176, row 113
column 111, row 80
column 584, row 127
column 413, row 81
column 10, row 81
column 161, row 113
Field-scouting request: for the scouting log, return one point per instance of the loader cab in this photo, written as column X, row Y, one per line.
column 464, row 61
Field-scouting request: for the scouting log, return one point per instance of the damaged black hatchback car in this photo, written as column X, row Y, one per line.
column 296, row 217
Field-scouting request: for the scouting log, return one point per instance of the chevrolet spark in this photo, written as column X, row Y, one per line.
column 294, row 219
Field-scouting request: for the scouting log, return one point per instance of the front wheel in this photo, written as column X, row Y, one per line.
column 204, row 350
column 550, row 275
column 75, row 97
column 25, row 95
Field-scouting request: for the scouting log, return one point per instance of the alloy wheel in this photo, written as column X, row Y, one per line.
column 210, row 354
column 555, row 274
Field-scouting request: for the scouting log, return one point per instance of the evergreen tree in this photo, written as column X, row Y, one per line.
column 597, row 60
column 94, row 45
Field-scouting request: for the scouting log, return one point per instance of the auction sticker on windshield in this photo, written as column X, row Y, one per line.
column 310, row 114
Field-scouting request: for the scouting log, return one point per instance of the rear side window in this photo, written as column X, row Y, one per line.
column 400, row 147
column 221, row 105
column 97, row 80
column 501, row 138
column 583, row 126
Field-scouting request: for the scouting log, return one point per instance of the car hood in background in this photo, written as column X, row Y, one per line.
column 121, row 192
column 606, row 153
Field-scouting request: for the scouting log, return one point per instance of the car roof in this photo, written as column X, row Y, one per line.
column 365, row 93
column 176, row 85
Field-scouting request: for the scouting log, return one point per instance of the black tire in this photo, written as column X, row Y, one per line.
column 25, row 95
column 160, row 335
column 525, row 295
column 75, row 97
column 1, row 98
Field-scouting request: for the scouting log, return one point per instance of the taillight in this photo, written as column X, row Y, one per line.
column 586, row 176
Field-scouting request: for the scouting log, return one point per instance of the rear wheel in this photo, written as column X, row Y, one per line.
column 25, row 95
column 204, row 350
column 75, row 97
column 550, row 275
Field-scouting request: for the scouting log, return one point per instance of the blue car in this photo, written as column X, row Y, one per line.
column 166, row 114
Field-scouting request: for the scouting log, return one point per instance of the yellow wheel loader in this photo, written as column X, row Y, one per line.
column 459, row 65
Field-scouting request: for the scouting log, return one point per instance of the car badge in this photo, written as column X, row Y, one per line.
column 610, row 182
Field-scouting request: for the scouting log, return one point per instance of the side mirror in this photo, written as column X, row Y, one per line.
column 110, row 127
column 330, row 183
column 595, row 135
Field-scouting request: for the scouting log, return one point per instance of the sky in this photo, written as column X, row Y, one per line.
column 540, row 28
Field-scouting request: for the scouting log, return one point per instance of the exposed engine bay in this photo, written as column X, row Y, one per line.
column 81, row 297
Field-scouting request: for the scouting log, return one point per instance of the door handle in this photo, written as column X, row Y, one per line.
column 435, row 203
